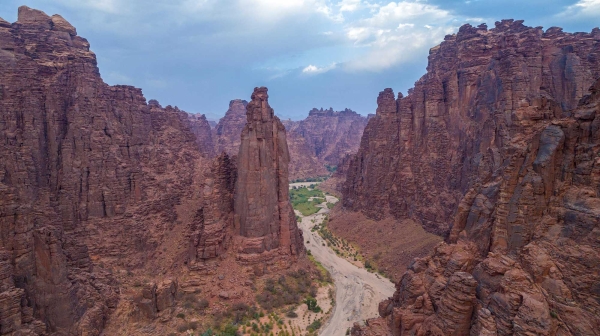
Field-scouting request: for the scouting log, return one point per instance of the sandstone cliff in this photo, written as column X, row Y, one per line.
column 324, row 138
column 496, row 145
column 331, row 135
column 96, row 187
column 228, row 130
column 484, row 89
column 264, row 216
column 202, row 129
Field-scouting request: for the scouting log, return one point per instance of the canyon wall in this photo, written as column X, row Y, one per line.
column 228, row 130
column 331, row 135
column 483, row 90
column 325, row 137
column 100, row 191
column 495, row 147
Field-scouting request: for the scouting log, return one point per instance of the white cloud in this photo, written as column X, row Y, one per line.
column 583, row 8
column 348, row 5
column 398, row 32
column 314, row 70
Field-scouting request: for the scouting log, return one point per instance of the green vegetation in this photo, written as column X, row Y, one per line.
column 312, row 305
column 288, row 290
column 331, row 169
column 314, row 326
column 310, row 179
column 300, row 200
column 324, row 276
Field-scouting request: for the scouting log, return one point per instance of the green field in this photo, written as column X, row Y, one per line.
column 299, row 198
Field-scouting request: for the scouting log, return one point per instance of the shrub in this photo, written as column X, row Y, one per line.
column 203, row 304
column 182, row 327
column 312, row 305
column 209, row 332
column 314, row 326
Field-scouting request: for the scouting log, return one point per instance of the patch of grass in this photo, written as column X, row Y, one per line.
column 324, row 274
column 300, row 200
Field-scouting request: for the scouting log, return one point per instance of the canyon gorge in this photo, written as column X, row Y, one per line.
column 477, row 194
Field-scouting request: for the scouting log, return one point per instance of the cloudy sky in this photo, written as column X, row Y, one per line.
column 200, row 54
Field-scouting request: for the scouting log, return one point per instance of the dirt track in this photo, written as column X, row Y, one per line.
column 358, row 292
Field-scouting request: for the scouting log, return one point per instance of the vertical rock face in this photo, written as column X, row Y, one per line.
column 325, row 135
column 213, row 222
column 201, row 128
column 484, row 89
column 263, row 214
column 228, row 130
column 513, row 160
column 90, row 172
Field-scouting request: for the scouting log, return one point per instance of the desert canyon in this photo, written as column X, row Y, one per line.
column 468, row 206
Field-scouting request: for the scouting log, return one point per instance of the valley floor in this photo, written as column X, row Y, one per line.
column 358, row 291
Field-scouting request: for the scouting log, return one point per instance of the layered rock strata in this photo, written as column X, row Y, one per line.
column 325, row 137
column 514, row 162
column 202, row 129
column 331, row 135
column 93, row 180
column 228, row 130
column 483, row 91
column 264, row 216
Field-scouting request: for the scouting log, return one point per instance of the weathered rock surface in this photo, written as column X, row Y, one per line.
column 264, row 217
column 514, row 163
column 483, row 91
column 331, row 135
column 324, row 138
column 228, row 130
column 93, row 180
column 201, row 128
column 335, row 183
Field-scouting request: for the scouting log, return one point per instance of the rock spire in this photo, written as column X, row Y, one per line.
column 264, row 216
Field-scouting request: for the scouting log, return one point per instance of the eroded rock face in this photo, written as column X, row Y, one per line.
column 484, row 90
column 264, row 217
column 522, row 255
column 89, row 173
column 228, row 130
column 339, row 133
column 201, row 128
column 325, row 137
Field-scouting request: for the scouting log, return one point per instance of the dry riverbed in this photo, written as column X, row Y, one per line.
column 357, row 291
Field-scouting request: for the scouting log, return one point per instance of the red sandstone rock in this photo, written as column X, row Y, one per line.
column 513, row 164
column 484, row 89
column 89, row 172
column 263, row 213
column 326, row 136
column 229, row 128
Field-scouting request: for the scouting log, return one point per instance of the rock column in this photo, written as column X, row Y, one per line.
column 264, row 216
